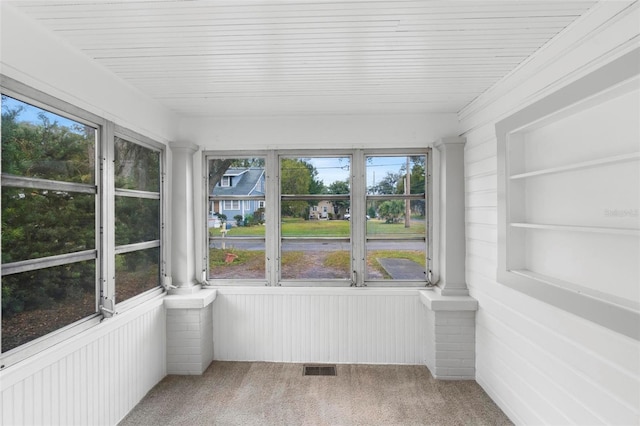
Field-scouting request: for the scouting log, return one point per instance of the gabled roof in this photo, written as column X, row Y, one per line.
column 248, row 183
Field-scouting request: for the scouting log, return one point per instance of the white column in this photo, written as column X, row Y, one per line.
column 183, row 261
column 451, row 208
column 450, row 320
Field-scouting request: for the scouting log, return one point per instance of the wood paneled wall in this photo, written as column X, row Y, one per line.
column 94, row 378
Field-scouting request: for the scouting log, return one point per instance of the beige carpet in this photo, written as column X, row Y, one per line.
column 244, row 393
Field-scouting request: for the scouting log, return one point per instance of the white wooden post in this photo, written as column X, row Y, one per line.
column 183, row 262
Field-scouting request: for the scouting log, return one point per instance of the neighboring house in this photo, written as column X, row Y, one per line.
column 321, row 211
column 326, row 208
column 238, row 182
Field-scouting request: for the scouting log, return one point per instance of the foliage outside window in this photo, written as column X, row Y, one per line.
column 341, row 219
column 73, row 209
column 137, row 218
column 49, row 237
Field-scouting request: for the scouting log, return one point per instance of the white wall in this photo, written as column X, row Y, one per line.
column 40, row 59
column 339, row 325
column 94, row 378
column 319, row 132
column 543, row 365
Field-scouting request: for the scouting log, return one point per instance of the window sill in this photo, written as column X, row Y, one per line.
column 321, row 291
column 197, row 300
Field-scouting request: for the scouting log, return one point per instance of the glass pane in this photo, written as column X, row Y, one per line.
column 136, row 167
column 237, row 259
column 386, row 218
column 396, row 260
column 38, row 302
column 137, row 220
column 319, row 175
column 228, row 219
column 387, row 175
column 40, row 144
column 324, row 259
column 40, row 223
column 236, row 177
column 137, row 272
column 396, row 245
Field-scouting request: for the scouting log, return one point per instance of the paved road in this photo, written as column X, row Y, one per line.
column 322, row 246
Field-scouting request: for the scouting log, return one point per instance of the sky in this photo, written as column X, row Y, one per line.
column 30, row 113
column 337, row 169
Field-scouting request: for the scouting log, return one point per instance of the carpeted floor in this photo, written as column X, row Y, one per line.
column 246, row 393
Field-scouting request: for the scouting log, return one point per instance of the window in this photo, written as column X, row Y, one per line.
column 318, row 250
column 137, row 218
column 49, row 238
column 226, row 181
column 236, row 247
column 341, row 218
column 81, row 220
column 396, row 217
column 231, row 205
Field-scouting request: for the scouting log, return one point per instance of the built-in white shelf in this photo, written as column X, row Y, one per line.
column 600, row 295
column 572, row 228
column 576, row 166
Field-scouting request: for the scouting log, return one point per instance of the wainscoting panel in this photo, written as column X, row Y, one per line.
column 94, row 378
column 319, row 325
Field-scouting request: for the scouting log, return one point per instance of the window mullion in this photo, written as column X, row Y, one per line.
column 358, row 217
column 272, row 212
column 429, row 213
column 107, row 221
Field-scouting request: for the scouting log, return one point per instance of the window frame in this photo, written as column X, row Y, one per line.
column 222, row 199
column 357, row 211
column 324, row 282
column 428, row 199
column 104, row 218
column 136, row 138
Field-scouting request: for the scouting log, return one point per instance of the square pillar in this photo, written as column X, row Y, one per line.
column 452, row 243
column 451, row 335
column 190, row 332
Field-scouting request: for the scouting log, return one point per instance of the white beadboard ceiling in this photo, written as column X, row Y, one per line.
column 238, row 58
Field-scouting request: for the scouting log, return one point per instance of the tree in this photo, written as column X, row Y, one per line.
column 391, row 210
column 339, row 187
column 316, row 186
column 417, row 185
column 39, row 223
column 136, row 166
column 295, row 178
column 388, row 185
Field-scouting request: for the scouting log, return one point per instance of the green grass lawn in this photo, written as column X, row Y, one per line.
column 315, row 228
column 250, row 264
column 379, row 227
column 295, row 227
